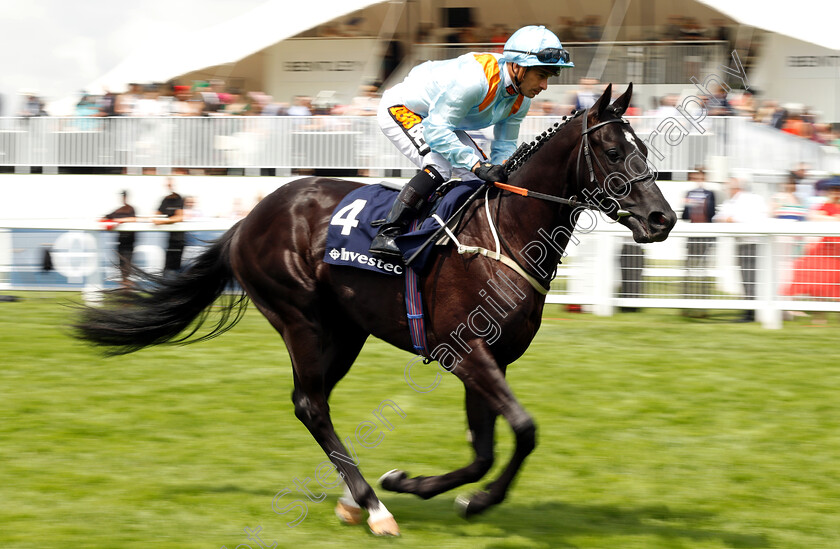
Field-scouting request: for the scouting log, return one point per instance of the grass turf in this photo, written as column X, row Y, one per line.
column 654, row 431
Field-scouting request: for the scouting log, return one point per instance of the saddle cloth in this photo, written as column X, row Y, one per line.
column 350, row 232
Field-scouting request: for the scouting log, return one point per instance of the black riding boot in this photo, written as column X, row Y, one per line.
column 405, row 208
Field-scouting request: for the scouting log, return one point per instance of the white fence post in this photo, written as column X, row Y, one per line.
column 605, row 266
column 767, row 278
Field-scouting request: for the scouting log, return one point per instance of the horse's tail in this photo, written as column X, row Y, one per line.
column 163, row 308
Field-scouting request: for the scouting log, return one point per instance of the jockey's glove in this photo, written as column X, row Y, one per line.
column 490, row 172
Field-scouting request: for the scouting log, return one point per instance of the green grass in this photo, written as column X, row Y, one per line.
column 654, row 431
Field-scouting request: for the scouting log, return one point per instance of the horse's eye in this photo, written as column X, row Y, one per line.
column 613, row 155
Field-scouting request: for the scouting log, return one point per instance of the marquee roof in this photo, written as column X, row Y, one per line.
column 163, row 58
column 812, row 21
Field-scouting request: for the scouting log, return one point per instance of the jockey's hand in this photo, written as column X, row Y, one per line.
column 490, row 172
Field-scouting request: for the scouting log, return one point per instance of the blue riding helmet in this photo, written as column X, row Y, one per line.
column 534, row 46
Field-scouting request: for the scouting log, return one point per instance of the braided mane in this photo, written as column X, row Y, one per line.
column 526, row 150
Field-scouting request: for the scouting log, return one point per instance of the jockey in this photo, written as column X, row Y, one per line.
column 428, row 114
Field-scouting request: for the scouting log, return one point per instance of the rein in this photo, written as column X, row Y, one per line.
column 521, row 191
column 597, row 205
column 599, row 195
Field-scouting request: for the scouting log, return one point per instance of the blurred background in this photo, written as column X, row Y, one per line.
column 685, row 390
column 232, row 100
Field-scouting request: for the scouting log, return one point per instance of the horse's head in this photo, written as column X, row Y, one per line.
column 613, row 162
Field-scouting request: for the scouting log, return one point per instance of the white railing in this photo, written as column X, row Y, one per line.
column 698, row 267
column 346, row 142
column 246, row 142
column 706, row 266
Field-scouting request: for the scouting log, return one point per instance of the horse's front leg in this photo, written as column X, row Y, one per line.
column 481, row 374
column 482, row 421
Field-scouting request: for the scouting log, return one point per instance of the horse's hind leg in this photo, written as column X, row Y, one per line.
column 320, row 358
column 482, row 421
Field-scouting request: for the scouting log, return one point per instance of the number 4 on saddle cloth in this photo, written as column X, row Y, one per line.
column 351, row 232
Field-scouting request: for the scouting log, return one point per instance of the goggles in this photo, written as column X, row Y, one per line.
column 547, row 55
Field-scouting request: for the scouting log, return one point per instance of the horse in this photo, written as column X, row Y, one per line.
column 325, row 313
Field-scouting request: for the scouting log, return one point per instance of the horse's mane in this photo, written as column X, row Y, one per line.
column 526, row 150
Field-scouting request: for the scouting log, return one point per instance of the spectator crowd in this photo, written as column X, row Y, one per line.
column 213, row 98
column 217, row 98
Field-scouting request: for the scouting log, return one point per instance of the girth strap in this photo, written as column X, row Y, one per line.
column 414, row 308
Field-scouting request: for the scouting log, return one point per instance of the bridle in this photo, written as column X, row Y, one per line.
column 599, row 193
column 598, row 197
column 597, row 205
column 598, row 200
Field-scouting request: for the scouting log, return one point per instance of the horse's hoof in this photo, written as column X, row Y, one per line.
column 386, row 526
column 462, row 502
column 348, row 514
column 391, row 479
column 468, row 506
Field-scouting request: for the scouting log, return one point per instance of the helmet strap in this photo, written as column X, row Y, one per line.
column 517, row 73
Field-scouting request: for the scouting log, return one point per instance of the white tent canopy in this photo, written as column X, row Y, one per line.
column 811, row 21
column 160, row 60
column 224, row 45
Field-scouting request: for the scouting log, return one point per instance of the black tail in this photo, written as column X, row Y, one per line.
column 164, row 308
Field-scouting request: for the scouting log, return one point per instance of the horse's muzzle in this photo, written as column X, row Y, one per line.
column 660, row 224
column 653, row 228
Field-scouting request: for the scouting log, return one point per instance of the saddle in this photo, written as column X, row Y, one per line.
column 355, row 220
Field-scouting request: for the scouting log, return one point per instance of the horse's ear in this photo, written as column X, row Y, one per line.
column 622, row 103
column 603, row 102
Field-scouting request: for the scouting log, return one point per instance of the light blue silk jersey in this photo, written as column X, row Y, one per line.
column 470, row 92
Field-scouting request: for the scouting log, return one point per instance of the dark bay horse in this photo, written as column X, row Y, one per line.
column 325, row 313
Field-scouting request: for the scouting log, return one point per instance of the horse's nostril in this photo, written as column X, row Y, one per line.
column 659, row 220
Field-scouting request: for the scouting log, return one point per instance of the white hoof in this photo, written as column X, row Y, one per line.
column 385, row 526
column 348, row 513
column 392, row 472
column 382, row 522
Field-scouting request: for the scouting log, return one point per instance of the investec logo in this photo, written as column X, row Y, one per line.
column 362, row 259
